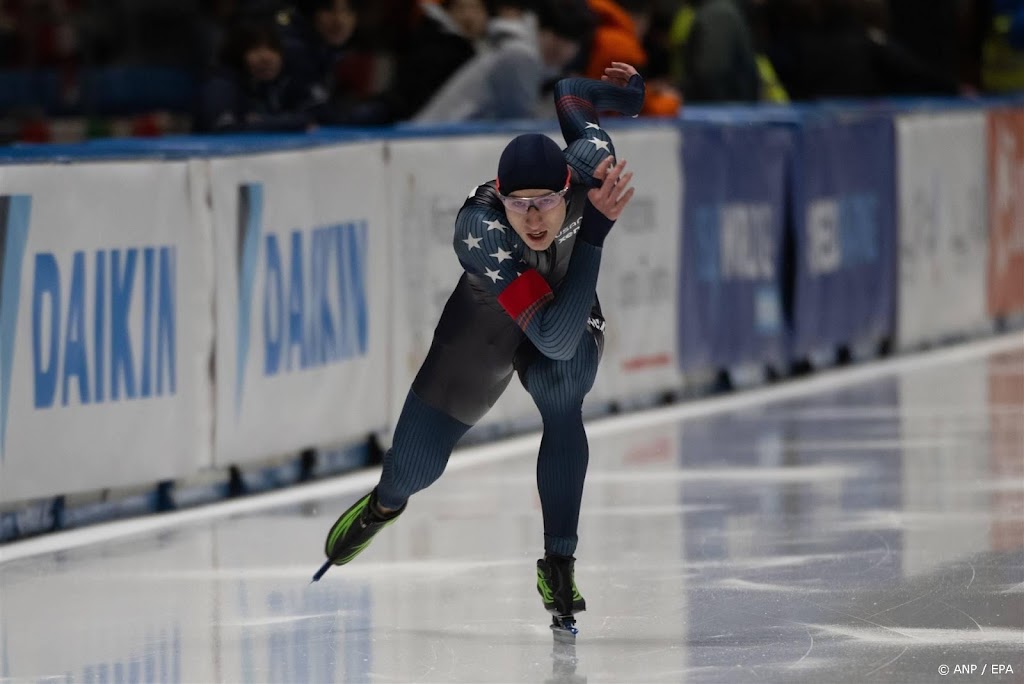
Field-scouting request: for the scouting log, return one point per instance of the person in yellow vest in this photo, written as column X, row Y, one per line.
column 769, row 87
column 1002, row 52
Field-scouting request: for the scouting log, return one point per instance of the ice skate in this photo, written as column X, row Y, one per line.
column 556, row 584
column 354, row 531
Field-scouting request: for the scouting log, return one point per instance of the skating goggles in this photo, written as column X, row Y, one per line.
column 521, row 205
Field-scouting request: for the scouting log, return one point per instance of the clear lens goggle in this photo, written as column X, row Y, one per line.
column 521, row 205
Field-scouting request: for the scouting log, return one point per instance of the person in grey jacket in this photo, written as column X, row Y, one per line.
column 504, row 81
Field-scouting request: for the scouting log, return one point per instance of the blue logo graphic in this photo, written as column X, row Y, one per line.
column 327, row 321
column 103, row 357
column 314, row 294
column 15, row 211
column 842, row 233
column 735, row 242
column 250, row 224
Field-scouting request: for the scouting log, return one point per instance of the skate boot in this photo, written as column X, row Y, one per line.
column 354, row 531
column 556, row 584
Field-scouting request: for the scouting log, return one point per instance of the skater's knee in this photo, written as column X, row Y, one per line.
column 559, row 387
column 407, row 473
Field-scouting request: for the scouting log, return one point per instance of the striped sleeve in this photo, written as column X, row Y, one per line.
column 553, row 321
column 485, row 245
column 578, row 102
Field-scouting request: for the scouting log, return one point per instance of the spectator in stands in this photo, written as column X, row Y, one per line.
column 42, row 33
column 314, row 35
column 677, row 30
column 840, row 48
column 898, row 68
column 318, row 38
column 931, row 30
column 719, row 63
column 447, row 37
column 664, row 98
column 525, row 45
column 8, row 37
column 1002, row 46
column 470, row 17
column 213, row 20
column 620, row 36
column 254, row 90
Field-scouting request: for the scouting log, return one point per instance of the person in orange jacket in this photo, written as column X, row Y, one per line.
column 618, row 37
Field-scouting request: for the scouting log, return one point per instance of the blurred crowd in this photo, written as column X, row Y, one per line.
column 143, row 67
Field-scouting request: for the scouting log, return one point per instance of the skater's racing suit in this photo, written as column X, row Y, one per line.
column 513, row 303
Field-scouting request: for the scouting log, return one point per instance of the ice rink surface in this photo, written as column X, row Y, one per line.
column 861, row 526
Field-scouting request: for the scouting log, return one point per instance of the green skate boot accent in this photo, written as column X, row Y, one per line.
column 546, row 595
column 556, row 584
column 354, row 531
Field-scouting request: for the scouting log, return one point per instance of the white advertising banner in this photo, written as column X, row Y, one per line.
column 943, row 226
column 105, row 328
column 303, row 282
column 637, row 286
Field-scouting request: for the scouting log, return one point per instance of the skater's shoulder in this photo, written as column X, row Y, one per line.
column 485, row 194
column 481, row 227
column 482, row 205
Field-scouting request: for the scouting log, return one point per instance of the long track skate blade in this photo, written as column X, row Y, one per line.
column 323, row 568
column 564, row 629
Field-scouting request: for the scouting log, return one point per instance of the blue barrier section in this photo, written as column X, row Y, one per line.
column 730, row 308
column 844, row 222
column 174, row 147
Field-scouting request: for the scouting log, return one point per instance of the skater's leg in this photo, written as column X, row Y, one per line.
column 424, row 439
column 468, row 366
column 558, row 389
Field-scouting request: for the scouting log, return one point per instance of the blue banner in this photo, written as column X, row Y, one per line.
column 730, row 309
column 843, row 198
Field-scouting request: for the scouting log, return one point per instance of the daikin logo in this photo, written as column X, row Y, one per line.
column 313, row 294
column 15, row 211
column 102, row 323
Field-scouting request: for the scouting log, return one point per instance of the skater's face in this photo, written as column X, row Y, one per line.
column 536, row 215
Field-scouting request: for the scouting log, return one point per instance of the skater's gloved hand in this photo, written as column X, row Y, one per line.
column 626, row 76
column 623, row 75
column 605, row 203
